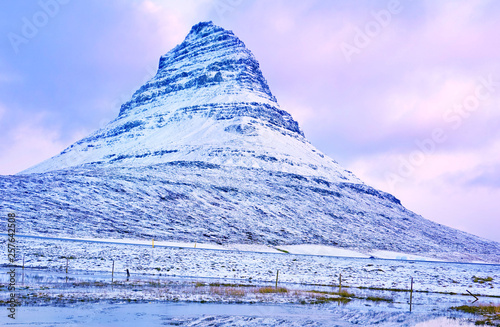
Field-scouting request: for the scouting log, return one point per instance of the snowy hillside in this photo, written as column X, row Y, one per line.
column 203, row 153
column 206, row 203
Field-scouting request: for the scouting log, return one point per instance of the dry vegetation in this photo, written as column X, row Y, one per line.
column 136, row 290
column 270, row 289
column 481, row 280
column 490, row 313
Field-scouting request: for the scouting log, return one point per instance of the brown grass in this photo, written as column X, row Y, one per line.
column 490, row 313
column 342, row 293
column 270, row 289
column 326, row 299
column 227, row 291
column 481, row 280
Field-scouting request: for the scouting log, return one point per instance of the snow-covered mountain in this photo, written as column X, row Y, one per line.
column 203, row 152
column 208, row 102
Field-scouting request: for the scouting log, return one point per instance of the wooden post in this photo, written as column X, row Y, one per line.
column 476, row 298
column 153, row 243
column 277, row 274
column 340, row 283
column 113, row 271
column 67, row 260
column 411, row 293
column 23, row 270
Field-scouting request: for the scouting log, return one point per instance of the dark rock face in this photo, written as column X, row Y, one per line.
column 222, row 61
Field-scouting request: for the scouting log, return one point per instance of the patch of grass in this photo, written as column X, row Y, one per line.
column 270, row 289
column 284, row 251
column 229, row 285
column 481, row 280
column 479, row 309
column 327, row 299
column 199, row 284
column 379, row 299
column 228, row 291
column 342, row 293
column 490, row 313
column 346, row 294
column 235, row 292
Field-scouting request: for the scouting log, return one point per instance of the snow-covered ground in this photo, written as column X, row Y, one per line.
column 305, row 249
column 242, row 264
column 180, row 284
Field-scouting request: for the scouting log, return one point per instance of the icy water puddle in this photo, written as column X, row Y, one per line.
column 95, row 302
column 196, row 314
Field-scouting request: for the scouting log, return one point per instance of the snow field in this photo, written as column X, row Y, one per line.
column 258, row 266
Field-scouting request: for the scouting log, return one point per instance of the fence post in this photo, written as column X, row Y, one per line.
column 113, row 271
column 67, row 260
column 340, row 283
column 411, row 292
column 23, row 270
column 277, row 274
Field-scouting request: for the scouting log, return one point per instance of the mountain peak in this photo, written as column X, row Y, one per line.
column 208, row 102
column 211, row 61
column 203, row 29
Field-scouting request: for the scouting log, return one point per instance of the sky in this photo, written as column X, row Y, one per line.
column 406, row 94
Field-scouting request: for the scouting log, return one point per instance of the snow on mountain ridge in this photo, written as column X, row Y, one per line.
column 213, row 61
column 209, row 102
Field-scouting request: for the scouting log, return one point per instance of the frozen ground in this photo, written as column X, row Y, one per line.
column 174, row 284
column 257, row 266
column 85, row 298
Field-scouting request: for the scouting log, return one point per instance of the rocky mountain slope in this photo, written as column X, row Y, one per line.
column 203, row 152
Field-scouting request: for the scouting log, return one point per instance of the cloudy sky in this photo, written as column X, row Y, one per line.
column 406, row 95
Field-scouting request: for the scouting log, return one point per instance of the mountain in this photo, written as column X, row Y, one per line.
column 208, row 102
column 203, row 153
